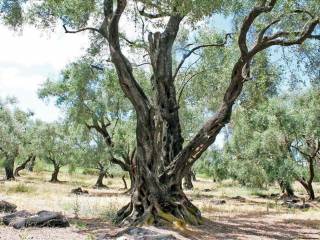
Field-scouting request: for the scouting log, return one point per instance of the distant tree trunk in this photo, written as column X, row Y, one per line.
column 9, row 173
column 99, row 183
column 23, row 165
column 54, row 176
column 308, row 184
column 9, row 168
column 31, row 164
column 188, row 180
column 308, row 187
column 286, row 188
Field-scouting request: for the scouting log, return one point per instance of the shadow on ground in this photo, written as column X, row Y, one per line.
column 247, row 226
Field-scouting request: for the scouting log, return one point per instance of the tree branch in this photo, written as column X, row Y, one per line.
column 190, row 52
column 207, row 134
column 80, row 30
column 152, row 16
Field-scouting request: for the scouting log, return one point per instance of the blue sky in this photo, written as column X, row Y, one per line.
column 28, row 58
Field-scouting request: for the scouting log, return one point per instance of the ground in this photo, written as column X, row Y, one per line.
column 250, row 217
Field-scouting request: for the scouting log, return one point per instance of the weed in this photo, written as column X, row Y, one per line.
column 20, row 188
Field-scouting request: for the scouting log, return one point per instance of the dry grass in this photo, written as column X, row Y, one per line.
column 251, row 219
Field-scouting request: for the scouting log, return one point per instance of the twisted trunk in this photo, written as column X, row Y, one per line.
column 309, row 188
column 188, row 180
column 286, row 188
column 54, row 176
column 31, row 164
column 9, row 173
column 9, row 168
column 308, row 184
column 160, row 162
column 23, row 165
column 99, row 183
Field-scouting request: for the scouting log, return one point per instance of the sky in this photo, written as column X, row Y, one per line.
column 28, row 58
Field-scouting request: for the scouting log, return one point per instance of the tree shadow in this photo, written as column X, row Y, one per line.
column 94, row 226
column 246, row 226
column 251, row 227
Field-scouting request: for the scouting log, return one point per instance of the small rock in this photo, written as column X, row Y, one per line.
column 218, row 202
column 7, row 207
column 298, row 206
column 206, row 190
column 79, row 191
column 239, row 198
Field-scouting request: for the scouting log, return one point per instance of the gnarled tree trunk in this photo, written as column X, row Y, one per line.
column 286, row 188
column 160, row 162
column 309, row 188
column 9, row 168
column 23, row 165
column 9, row 173
column 102, row 174
column 308, row 184
column 31, row 164
column 188, row 181
column 54, row 176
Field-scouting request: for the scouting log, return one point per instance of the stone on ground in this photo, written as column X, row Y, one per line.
column 7, row 207
column 22, row 219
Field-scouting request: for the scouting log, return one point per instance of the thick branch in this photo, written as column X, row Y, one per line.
column 247, row 23
column 123, row 165
column 124, row 68
column 207, row 134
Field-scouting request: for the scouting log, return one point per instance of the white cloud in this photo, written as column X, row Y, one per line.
column 27, row 59
column 31, row 48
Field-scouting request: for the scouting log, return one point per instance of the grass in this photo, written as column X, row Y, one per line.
column 20, row 188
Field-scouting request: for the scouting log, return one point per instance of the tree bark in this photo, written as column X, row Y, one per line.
column 188, row 180
column 9, row 168
column 308, row 184
column 30, row 166
column 54, row 176
column 23, row 165
column 286, row 188
column 9, row 173
column 99, row 183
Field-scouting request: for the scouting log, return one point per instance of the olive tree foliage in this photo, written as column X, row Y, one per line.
column 277, row 142
column 27, row 154
column 92, row 99
column 56, row 146
column 93, row 154
column 162, row 157
column 14, row 140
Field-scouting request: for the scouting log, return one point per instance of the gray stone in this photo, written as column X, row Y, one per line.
column 23, row 219
column 7, row 207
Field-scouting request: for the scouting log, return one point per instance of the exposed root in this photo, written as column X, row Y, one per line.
column 177, row 214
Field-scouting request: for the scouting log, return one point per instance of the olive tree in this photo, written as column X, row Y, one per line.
column 55, row 146
column 162, row 158
column 13, row 131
